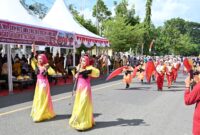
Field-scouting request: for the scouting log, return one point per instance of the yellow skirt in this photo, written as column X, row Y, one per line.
column 42, row 108
column 82, row 115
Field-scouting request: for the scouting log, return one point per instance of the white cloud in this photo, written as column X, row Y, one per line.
column 139, row 7
column 164, row 10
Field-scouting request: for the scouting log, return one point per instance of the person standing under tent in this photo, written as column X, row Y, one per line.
column 82, row 115
column 42, row 108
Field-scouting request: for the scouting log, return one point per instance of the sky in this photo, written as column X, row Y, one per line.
column 162, row 10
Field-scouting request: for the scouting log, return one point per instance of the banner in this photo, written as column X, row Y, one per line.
column 24, row 34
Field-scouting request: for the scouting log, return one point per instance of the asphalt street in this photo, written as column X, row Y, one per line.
column 139, row 110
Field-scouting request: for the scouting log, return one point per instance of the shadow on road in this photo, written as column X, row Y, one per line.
column 171, row 90
column 67, row 116
column 136, row 88
column 120, row 122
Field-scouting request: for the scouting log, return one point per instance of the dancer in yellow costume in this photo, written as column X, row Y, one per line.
column 42, row 108
column 82, row 116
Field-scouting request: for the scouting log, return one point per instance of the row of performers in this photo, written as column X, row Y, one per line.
column 155, row 70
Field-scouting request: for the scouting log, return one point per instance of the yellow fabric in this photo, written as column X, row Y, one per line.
column 42, row 105
column 95, row 71
column 33, row 63
column 82, row 115
column 51, row 71
column 42, row 108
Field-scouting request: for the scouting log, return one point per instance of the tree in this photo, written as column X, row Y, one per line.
column 120, row 34
column 121, row 8
column 39, row 9
column 148, row 35
column 176, row 37
column 131, row 18
column 86, row 23
column 147, row 18
column 101, row 12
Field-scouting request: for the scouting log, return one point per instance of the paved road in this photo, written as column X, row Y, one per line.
column 140, row 110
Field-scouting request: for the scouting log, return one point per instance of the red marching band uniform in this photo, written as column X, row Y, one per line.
column 176, row 66
column 169, row 74
column 160, row 69
column 192, row 97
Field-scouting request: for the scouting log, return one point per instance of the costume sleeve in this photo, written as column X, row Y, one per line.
column 33, row 63
column 51, row 71
column 95, row 71
column 191, row 97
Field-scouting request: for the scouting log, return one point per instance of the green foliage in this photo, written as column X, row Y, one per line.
column 86, row 23
column 120, row 34
column 147, row 19
column 121, row 9
column 38, row 9
column 101, row 12
column 176, row 37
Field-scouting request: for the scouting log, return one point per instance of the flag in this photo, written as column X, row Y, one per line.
column 151, row 45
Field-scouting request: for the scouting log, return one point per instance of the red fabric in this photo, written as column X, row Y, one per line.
column 169, row 79
column 175, row 73
column 193, row 97
column 187, row 64
column 92, row 61
column 160, row 80
column 178, row 66
column 149, row 70
column 135, row 71
column 169, row 76
column 116, row 72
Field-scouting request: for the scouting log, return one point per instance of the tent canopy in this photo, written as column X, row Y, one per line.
column 13, row 11
column 60, row 17
column 18, row 26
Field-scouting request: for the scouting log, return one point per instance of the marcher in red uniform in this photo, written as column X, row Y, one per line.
column 175, row 69
column 160, row 69
column 193, row 97
column 169, row 73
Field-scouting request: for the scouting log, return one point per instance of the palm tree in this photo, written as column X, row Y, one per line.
column 147, row 18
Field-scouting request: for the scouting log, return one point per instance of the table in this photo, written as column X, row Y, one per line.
column 56, row 77
column 23, row 83
column 2, row 82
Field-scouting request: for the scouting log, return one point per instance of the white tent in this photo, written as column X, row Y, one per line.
column 13, row 11
column 60, row 17
column 18, row 26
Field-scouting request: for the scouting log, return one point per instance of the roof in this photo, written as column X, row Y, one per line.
column 60, row 17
